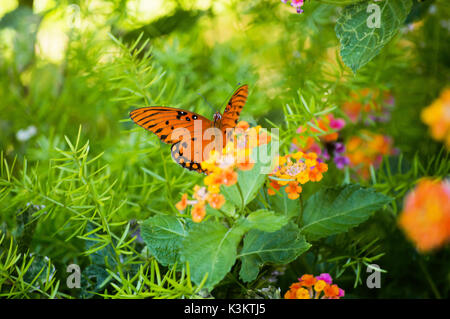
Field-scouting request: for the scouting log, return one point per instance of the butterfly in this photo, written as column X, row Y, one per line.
column 166, row 123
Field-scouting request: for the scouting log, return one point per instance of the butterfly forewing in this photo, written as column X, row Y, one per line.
column 178, row 127
column 234, row 107
column 163, row 121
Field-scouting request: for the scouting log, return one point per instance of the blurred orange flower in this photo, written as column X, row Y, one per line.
column 367, row 149
column 198, row 212
column 426, row 214
column 216, row 200
column 437, row 117
column 369, row 102
column 332, row 291
column 273, row 187
column 181, row 205
column 307, row 280
column 293, row 190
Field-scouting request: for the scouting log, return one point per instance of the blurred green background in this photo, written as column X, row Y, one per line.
column 70, row 72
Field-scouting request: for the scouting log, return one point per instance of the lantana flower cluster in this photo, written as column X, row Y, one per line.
column 310, row 287
column 328, row 139
column 297, row 4
column 367, row 149
column 201, row 197
column 437, row 117
column 358, row 152
column 295, row 169
column 222, row 169
column 426, row 214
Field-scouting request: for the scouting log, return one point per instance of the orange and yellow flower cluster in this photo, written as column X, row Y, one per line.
column 294, row 169
column 437, row 117
column 201, row 197
column 222, row 169
column 236, row 154
column 426, row 214
column 367, row 149
column 310, row 287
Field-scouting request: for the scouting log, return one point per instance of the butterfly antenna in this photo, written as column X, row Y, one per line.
column 206, row 101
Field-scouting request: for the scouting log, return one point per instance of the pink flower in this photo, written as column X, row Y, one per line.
column 300, row 130
column 336, row 124
column 325, row 277
column 315, row 148
column 298, row 5
column 341, row 292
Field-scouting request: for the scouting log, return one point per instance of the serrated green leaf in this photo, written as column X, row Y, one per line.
column 94, row 277
column 210, row 248
column 361, row 37
column 163, row 236
column 335, row 210
column 279, row 247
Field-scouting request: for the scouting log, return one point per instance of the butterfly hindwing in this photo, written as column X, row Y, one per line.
column 234, row 107
column 183, row 155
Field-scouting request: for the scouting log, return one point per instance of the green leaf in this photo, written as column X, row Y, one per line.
column 210, row 248
column 281, row 203
column 250, row 182
column 335, row 210
column 26, row 23
column 93, row 279
column 279, row 247
column 232, row 195
column 163, row 235
column 228, row 209
column 264, row 220
column 361, row 36
column 40, row 271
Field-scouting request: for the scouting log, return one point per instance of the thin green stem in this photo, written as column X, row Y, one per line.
column 262, row 198
column 429, row 279
column 242, row 197
column 169, row 188
column 300, row 215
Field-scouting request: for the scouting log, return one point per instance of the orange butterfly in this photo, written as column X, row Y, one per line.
column 167, row 122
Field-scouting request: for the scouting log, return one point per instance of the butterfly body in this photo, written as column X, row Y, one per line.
column 173, row 125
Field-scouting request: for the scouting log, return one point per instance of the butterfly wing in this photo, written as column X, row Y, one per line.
column 234, row 108
column 163, row 121
column 167, row 123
